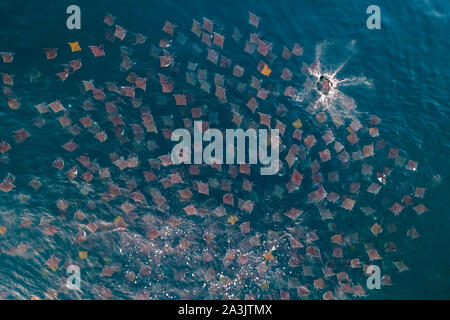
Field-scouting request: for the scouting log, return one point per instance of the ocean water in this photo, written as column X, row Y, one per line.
column 406, row 62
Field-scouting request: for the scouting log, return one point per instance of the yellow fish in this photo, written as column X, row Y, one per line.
column 233, row 219
column 268, row 255
column 118, row 220
column 83, row 254
column 297, row 124
column 266, row 70
column 74, row 46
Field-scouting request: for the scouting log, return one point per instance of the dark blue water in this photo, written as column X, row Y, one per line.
column 407, row 61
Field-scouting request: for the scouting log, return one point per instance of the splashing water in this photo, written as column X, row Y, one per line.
column 323, row 87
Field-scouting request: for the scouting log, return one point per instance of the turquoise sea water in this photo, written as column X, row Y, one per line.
column 407, row 62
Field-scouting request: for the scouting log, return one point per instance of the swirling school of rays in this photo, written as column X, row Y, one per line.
column 140, row 227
